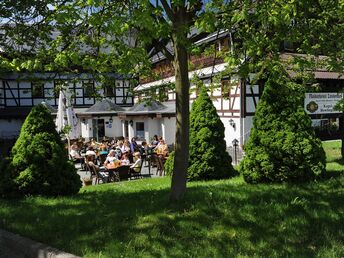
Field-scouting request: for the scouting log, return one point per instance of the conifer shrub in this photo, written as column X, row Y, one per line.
column 208, row 156
column 169, row 164
column 39, row 162
column 282, row 146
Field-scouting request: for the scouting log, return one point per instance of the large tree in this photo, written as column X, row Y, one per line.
column 102, row 36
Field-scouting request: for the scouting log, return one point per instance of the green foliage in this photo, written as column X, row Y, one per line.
column 282, row 146
column 208, row 156
column 39, row 163
column 226, row 218
column 169, row 164
column 339, row 105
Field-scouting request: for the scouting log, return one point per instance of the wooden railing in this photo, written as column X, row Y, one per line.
column 197, row 62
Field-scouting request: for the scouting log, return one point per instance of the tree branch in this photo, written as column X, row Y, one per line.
column 168, row 10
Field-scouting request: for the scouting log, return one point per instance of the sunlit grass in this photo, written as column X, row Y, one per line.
column 226, row 218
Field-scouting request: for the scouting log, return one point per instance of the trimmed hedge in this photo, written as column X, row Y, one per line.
column 208, row 156
column 282, row 146
column 39, row 164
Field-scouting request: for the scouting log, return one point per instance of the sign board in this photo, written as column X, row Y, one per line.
column 322, row 102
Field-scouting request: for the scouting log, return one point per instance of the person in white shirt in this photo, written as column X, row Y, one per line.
column 74, row 151
column 90, row 151
column 125, row 148
column 125, row 159
column 110, row 158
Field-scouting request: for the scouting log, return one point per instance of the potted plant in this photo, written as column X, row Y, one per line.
column 87, row 181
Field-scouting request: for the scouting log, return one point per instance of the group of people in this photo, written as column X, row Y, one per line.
column 117, row 153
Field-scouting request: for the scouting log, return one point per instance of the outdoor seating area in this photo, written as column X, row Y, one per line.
column 115, row 160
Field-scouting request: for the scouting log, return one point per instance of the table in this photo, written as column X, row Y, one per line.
column 119, row 173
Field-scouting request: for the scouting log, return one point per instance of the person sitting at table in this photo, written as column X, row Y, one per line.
column 136, row 167
column 125, row 159
column 133, row 145
column 111, row 158
column 154, row 141
column 90, row 151
column 74, row 154
column 93, row 143
column 103, row 149
column 162, row 148
column 118, row 149
column 126, row 147
column 102, row 174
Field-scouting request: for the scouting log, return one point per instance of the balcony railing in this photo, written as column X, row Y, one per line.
column 197, row 62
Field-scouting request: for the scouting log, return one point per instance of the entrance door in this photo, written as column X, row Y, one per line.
column 98, row 129
column 140, row 130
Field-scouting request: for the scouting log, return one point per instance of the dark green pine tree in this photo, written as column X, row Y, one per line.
column 208, row 156
column 39, row 162
column 282, row 146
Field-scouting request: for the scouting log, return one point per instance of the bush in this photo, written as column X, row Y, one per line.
column 208, row 156
column 39, row 163
column 169, row 164
column 282, row 146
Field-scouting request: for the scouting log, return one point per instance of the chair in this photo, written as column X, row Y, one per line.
column 96, row 174
column 160, row 171
column 123, row 172
column 136, row 174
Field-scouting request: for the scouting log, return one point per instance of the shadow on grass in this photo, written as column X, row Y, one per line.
column 340, row 161
column 332, row 174
column 216, row 219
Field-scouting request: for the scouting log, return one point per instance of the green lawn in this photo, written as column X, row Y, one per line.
column 217, row 219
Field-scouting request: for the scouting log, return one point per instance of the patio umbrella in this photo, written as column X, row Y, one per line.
column 66, row 115
column 72, row 121
column 60, row 121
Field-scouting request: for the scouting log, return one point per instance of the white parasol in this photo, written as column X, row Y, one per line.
column 66, row 115
column 60, row 121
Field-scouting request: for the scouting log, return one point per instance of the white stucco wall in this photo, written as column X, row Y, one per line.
column 231, row 131
column 113, row 129
column 86, row 129
column 170, row 129
column 153, row 127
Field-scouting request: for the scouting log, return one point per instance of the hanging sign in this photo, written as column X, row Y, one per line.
column 322, row 103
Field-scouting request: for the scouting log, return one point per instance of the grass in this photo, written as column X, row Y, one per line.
column 216, row 219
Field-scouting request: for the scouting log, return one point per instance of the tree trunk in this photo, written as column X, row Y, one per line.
column 182, row 84
column 341, row 129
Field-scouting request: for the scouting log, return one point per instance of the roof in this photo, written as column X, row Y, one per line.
column 147, row 105
column 49, row 107
column 58, row 76
column 152, row 107
column 104, row 106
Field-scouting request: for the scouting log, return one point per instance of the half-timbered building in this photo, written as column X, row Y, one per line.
column 235, row 99
column 19, row 92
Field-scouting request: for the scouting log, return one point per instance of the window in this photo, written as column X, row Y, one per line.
column 140, row 129
column 37, row 89
column 109, row 90
column 88, row 89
